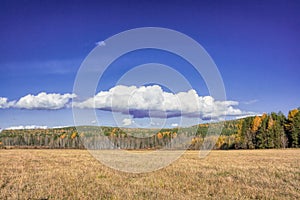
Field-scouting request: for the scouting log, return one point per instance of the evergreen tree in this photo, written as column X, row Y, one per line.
column 292, row 127
column 261, row 133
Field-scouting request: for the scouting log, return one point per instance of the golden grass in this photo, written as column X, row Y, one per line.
column 75, row 174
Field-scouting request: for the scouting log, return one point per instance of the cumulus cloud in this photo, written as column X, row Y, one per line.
column 152, row 101
column 52, row 101
column 4, row 103
column 174, row 124
column 138, row 102
column 127, row 122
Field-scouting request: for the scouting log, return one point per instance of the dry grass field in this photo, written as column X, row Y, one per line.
column 75, row 174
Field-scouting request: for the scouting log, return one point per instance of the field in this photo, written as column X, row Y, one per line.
column 75, row 174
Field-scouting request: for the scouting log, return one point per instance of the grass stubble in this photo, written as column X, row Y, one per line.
column 75, row 174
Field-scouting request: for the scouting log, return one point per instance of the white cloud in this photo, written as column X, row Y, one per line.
column 43, row 100
column 247, row 115
column 100, row 43
column 59, row 126
column 138, row 102
column 4, row 103
column 127, row 122
column 146, row 101
column 174, row 124
column 26, row 127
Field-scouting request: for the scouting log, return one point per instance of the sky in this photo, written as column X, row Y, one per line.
column 254, row 44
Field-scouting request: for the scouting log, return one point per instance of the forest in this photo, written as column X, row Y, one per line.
column 268, row 131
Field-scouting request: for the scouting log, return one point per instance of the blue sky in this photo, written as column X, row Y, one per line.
column 255, row 45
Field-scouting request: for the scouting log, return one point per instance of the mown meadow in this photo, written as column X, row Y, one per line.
column 75, row 174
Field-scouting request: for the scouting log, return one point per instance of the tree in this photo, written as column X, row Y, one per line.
column 256, row 123
column 261, row 135
column 292, row 127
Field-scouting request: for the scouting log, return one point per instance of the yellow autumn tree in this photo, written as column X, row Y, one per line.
column 166, row 133
column 256, row 123
column 292, row 113
column 220, row 141
column 74, row 135
column 159, row 135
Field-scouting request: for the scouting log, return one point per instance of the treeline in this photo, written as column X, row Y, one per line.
column 267, row 131
column 41, row 138
column 90, row 137
column 260, row 132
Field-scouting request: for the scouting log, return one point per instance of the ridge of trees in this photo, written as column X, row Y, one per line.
column 267, row 131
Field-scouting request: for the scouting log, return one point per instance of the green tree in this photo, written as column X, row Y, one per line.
column 261, row 135
column 292, row 128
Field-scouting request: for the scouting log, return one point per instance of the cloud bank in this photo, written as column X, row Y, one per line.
column 44, row 101
column 41, row 101
column 152, row 101
column 26, row 127
column 138, row 102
